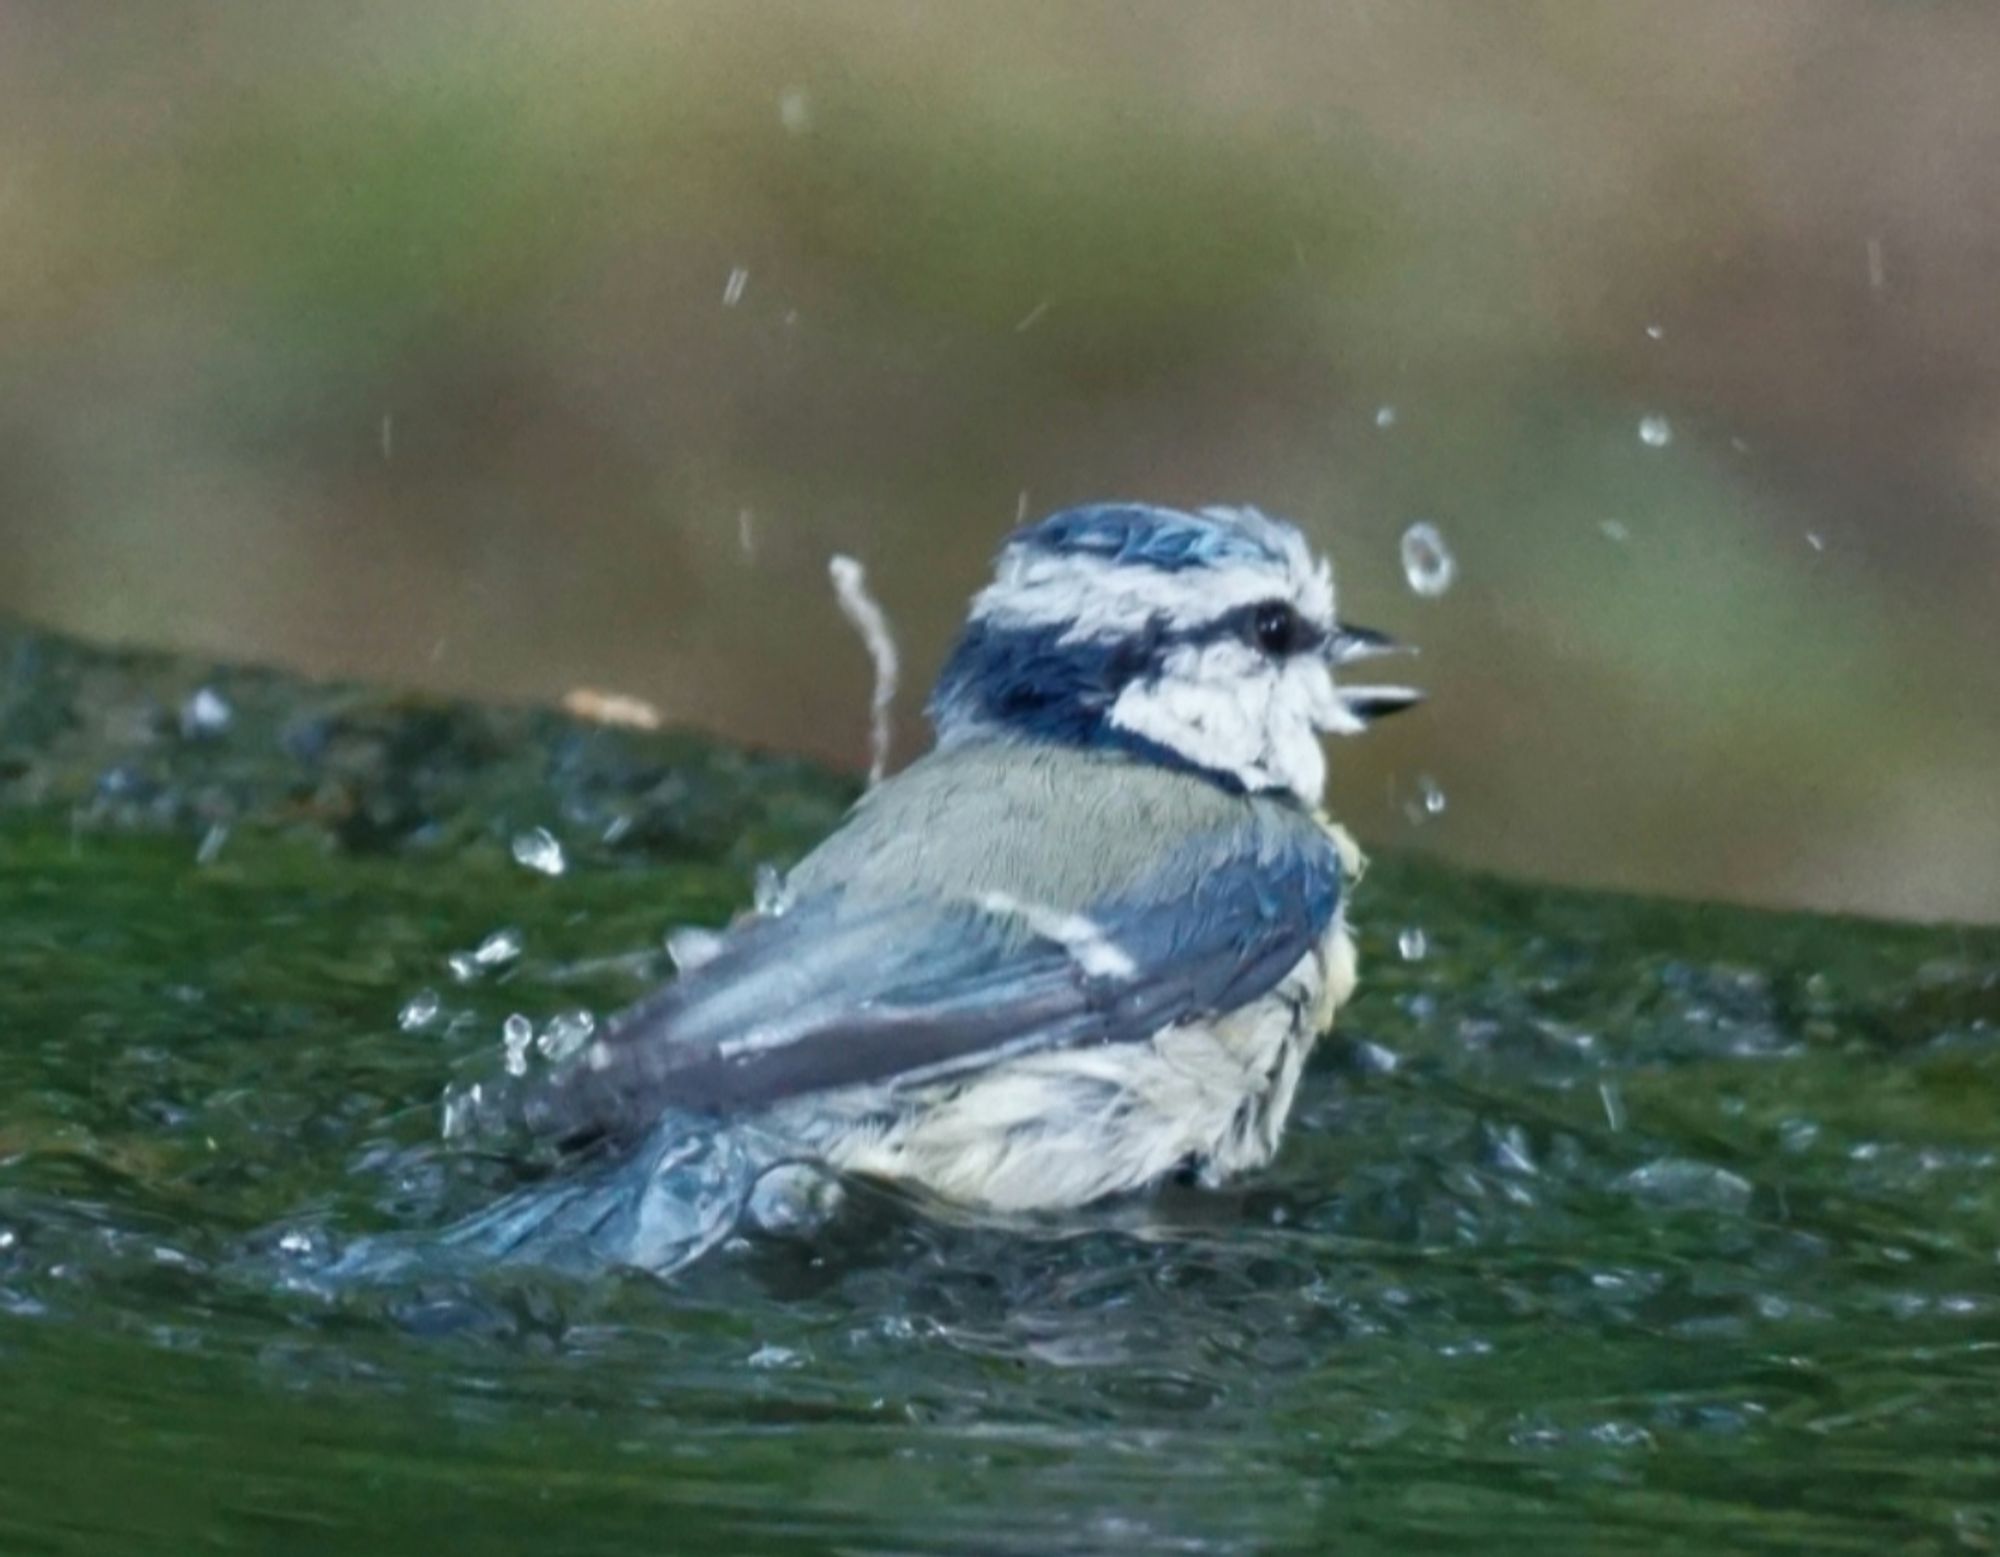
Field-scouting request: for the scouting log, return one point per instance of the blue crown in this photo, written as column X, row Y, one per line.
column 1163, row 538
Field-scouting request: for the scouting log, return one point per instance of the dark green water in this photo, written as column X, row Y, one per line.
column 1605, row 1225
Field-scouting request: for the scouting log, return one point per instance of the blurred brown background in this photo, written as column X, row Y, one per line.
column 508, row 347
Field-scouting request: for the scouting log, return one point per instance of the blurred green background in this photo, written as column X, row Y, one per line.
column 506, row 348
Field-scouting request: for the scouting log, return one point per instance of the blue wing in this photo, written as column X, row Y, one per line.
column 840, row 992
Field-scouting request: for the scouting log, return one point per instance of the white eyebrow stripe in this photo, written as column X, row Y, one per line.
column 1093, row 597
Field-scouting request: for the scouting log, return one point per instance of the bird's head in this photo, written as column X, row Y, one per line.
column 1207, row 640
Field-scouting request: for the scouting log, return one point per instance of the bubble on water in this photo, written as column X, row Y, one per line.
column 768, row 895
column 1797, row 1134
column 1413, row 945
column 516, row 1033
column 1427, row 562
column 1680, row 1184
column 419, row 1011
column 795, row 110
column 690, row 946
column 566, row 1033
column 1385, row 416
column 538, row 850
column 770, row 1355
column 793, row 1199
column 732, row 289
column 1509, row 1151
column 206, row 713
column 1655, row 432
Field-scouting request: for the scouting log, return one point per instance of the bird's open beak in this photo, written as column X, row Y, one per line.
column 1350, row 644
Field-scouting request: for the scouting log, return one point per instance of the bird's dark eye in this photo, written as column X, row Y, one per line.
column 1277, row 629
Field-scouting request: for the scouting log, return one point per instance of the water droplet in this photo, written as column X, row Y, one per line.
column 209, row 850
column 732, row 289
column 692, row 945
column 538, row 850
column 1655, row 432
column 501, row 946
column 795, row 110
column 461, row 1108
column 516, row 1033
column 1656, row 332
column 206, row 713
column 1427, row 562
column 1614, row 530
column 7, row 1238
column 566, row 1034
column 1385, row 416
column 768, row 892
column 1815, row 540
column 419, row 1011
column 1427, row 802
column 1413, row 944
column 1614, row 1106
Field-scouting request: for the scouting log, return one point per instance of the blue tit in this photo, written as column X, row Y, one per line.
column 1087, row 941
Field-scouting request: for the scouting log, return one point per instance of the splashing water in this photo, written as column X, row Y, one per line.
column 206, row 714
column 538, row 850
column 567, row 1032
column 850, row 588
column 1428, row 801
column 691, row 946
column 497, row 950
column 1427, row 561
column 516, row 1033
column 767, row 886
column 1413, row 945
column 419, row 1011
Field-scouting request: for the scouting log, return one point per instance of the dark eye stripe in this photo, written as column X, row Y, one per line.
column 1261, row 627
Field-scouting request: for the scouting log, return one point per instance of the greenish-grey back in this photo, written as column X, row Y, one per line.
column 1057, row 827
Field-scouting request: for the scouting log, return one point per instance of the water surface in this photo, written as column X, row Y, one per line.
column 1603, row 1224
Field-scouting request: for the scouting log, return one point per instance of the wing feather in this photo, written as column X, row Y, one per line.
column 838, row 993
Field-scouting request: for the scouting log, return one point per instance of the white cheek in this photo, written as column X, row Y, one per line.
column 1303, row 704
column 1225, row 708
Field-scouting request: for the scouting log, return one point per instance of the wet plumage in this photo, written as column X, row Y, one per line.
column 1084, row 943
